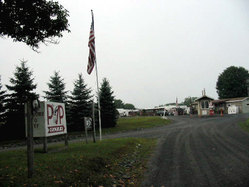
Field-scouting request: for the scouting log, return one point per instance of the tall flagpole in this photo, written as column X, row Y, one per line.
column 97, row 80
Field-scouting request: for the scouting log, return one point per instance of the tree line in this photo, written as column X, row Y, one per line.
column 78, row 102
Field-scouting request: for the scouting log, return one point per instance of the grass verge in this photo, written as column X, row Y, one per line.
column 135, row 123
column 245, row 125
column 117, row 161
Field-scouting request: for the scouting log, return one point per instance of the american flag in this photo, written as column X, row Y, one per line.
column 91, row 45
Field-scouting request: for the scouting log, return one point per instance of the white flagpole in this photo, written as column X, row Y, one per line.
column 100, row 129
column 97, row 80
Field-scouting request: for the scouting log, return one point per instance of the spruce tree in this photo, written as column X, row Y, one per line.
column 107, row 105
column 56, row 88
column 2, row 105
column 21, row 89
column 80, row 104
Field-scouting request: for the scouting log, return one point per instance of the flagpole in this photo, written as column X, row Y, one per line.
column 100, row 130
column 97, row 80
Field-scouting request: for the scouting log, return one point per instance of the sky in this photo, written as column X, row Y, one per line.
column 150, row 51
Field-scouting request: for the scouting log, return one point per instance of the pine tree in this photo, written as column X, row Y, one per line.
column 21, row 91
column 107, row 105
column 2, row 105
column 56, row 88
column 80, row 104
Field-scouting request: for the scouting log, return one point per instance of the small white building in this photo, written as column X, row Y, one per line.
column 242, row 103
column 127, row 112
column 123, row 112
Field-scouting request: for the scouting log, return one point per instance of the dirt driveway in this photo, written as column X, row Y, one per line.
column 211, row 151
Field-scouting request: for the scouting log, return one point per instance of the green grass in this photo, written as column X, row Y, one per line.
column 245, row 125
column 116, row 161
column 135, row 123
column 123, row 124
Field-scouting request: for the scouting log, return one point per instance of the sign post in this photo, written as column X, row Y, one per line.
column 88, row 125
column 66, row 139
column 30, row 143
column 85, row 124
column 45, row 145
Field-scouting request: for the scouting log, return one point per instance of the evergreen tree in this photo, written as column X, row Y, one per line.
column 107, row 105
column 21, row 91
column 56, row 88
column 2, row 105
column 80, row 104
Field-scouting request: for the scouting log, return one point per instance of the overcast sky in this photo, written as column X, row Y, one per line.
column 150, row 51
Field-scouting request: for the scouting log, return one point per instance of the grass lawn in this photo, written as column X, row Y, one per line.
column 134, row 123
column 245, row 125
column 117, row 161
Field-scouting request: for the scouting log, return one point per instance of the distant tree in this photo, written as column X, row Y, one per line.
column 79, row 104
column 33, row 21
column 21, row 90
column 119, row 103
column 189, row 100
column 107, row 105
column 129, row 106
column 56, row 88
column 2, row 105
column 232, row 82
column 170, row 104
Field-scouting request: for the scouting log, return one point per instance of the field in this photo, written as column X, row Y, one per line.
column 117, row 161
column 136, row 123
column 123, row 124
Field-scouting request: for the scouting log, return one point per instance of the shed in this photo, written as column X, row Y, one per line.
column 241, row 102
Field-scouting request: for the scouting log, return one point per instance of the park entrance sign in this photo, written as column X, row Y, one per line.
column 55, row 119
column 43, row 120
column 49, row 120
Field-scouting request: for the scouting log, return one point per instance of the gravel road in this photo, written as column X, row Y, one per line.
column 211, row 151
column 192, row 151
